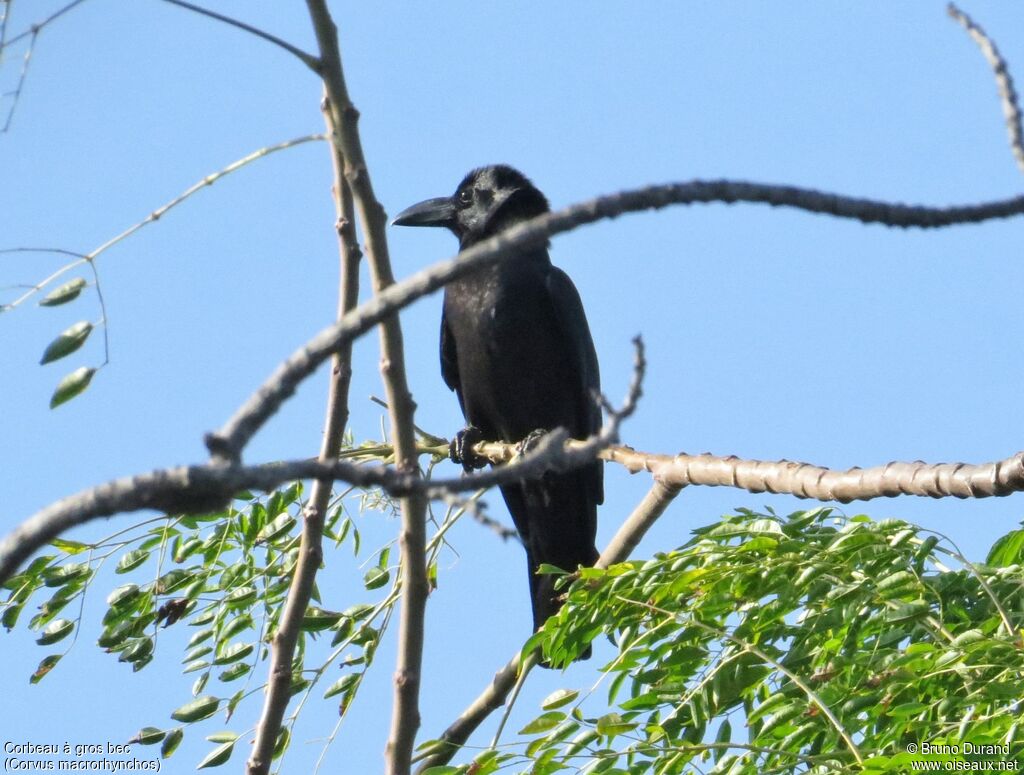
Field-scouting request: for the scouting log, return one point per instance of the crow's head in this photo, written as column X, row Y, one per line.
column 487, row 200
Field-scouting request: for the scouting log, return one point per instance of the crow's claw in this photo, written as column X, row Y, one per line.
column 460, row 450
column 531, row 440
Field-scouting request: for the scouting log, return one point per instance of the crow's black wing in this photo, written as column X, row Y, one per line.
column 449, row 362
column 575, row 332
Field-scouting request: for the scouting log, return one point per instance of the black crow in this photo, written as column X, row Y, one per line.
column 516, row 349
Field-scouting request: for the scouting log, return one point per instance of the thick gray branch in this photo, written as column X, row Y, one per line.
column 229, row 441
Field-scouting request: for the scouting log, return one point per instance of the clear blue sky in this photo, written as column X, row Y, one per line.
column 770, row 333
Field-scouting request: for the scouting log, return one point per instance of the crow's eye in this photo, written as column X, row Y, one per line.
column 466, row 198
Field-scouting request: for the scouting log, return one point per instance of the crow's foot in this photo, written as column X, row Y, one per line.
column 531, row 440
column 460, row 450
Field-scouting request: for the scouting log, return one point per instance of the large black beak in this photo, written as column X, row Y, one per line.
column 432, row 212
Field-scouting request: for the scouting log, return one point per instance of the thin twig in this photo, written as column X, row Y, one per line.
column 103, row 312
column 36, row 28
column 32, row 33
column 1004, row 81
column 159, row 212
column 62, row 251
column 311, row 550
column 15, row 93
column 7, row 5
column 307, row 59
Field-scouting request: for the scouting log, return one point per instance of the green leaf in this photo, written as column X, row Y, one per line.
column 907, row 709
column 197, row 709
column 139, row 652
column 56, row 630
column 896, row 583
column 63, row 294
column 171, row 742
column 235, row 626
column 66, row 574
column 122, row 594
column 148, row 736
column 241, row 596
column 559, row 698
column 199, row 637
column 233, row 653
column 547, row 569
column 224, row 736
column 543, row 723
column 1007, row 550
column 235, row 672
column 376, row 578
column 317, row 619
column 907, row 611
column 10, row 616
column 724, row 736
column 46, row 664
column 284, row 737
column 612, row 724
column 69, row 340
column 72, row 385
column 278, row 527
column 344, row 683
column 217, row 756
column 71, row 547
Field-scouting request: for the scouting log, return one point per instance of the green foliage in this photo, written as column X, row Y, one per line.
column 808, row 643
column 225, row 576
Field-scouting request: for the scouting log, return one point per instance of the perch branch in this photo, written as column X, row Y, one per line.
column 205, row 488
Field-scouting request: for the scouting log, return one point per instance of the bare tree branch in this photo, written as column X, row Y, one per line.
column 307, row 59
column 229, row 441
column 285, row 639
column 405, row 718
column 636, row 525
column 1004, row 81
column 204, row 488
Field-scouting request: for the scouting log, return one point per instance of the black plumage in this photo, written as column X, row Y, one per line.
column 517, row 350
